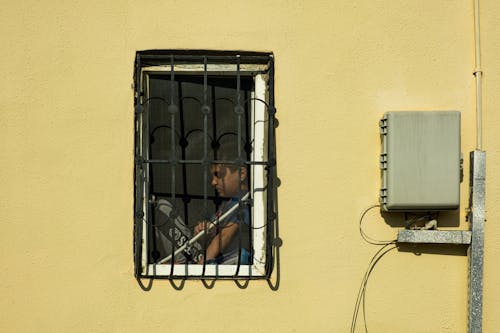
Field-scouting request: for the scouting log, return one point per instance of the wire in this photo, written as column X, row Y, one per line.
column 361, row 297
column 410, row 223
column 367, row 238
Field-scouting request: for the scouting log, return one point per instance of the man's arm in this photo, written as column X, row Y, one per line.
column 221, row 241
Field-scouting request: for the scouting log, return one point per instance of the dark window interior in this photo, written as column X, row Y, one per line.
column 222, row 126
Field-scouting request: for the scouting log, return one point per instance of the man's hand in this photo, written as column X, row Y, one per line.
column 204, row 225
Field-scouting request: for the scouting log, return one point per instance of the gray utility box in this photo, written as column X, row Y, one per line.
column 420, row 160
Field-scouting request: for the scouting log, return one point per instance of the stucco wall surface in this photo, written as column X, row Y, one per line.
column 66, row 112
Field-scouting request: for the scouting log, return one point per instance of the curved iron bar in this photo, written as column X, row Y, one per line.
column 191, row 97
column 177, row 287
column 148, row 100
column 225, row 99
column 164, row 126
column 143, row 286
column 224, row 134
column 209, row 285
column 196, row 130
column 242, row 285
column 256, row 99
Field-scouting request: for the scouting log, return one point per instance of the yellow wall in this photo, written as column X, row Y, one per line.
column 66, row 139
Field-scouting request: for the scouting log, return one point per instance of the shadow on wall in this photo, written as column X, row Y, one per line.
column 442, row 249
column 446, row 219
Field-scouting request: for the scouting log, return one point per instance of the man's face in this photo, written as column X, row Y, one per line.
column 226, row 181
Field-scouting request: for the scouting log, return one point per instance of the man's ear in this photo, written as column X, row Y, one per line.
column 243, row 174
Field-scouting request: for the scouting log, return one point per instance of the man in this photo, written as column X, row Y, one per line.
column 230, row 237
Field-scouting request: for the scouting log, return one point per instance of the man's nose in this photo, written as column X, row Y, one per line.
column 214, row 181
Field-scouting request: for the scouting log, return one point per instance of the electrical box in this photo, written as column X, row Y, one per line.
column 420, row 160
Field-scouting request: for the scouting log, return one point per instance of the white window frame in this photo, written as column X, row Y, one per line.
column 258, row 190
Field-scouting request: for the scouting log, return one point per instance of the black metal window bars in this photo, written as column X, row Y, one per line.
column 166, row 168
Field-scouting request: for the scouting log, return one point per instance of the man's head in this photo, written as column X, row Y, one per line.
column 229, row 179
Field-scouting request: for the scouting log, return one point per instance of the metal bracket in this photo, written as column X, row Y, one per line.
column 476, row 249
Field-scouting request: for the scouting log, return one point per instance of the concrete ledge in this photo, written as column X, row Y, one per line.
column 435, row 236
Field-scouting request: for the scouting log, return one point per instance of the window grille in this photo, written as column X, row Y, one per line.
column 200, row 115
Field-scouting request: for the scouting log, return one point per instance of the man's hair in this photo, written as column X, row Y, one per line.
column 228, row 151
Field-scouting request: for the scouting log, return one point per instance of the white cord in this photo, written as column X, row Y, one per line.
column 478, row 73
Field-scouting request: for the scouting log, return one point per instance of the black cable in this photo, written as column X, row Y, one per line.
column 367, row 238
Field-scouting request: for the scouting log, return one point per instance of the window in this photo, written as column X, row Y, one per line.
column 205, row 164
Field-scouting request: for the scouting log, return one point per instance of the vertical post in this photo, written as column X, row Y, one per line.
column 138, row 170
column 272, row 176
column 476, row 249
